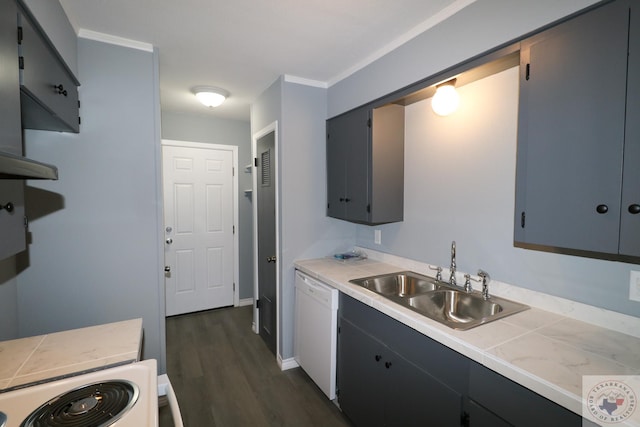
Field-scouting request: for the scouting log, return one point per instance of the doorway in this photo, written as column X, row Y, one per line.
column 266, row 243
column 200, row 217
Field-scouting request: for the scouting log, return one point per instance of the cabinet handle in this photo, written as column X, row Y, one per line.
column 347, row 200
column 61, row 90
column 342, row 199
column 378, row 357
column 8, row 207
column 387, row 365
column 602, row 209
column 634, row 209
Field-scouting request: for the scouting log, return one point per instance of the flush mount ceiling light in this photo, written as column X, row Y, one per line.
column 446, row 99
column 210, row 96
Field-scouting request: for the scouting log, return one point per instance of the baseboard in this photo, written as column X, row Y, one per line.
column 245, row 301
column 285, row 364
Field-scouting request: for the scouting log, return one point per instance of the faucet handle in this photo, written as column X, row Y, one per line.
column 485, row 283
column 467, row 282
column 438, row 272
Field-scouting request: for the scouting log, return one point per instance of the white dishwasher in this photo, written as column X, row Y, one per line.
column 316, row 328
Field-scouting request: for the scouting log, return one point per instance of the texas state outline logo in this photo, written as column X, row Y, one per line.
column 610, row 401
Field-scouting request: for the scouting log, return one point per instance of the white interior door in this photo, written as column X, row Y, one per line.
column 199, row 228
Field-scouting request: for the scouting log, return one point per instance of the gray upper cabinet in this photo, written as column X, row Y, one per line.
column 573, row 110
column 11, row 190
column 49, row 93
column 365, row 165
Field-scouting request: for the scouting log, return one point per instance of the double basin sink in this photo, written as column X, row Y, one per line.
column 439, row 301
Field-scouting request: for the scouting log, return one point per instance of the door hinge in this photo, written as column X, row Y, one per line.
column 258, row 303
column 21, row 62
column 233, row 171
column 79, row 120
column 527, row 73
column 339, row 330
column 368, row 208
column 20, row 36
column 26, row 222
column 78, row 104
column 464, row 419
column 522, row 217
column 255, row 161
column 369, row 122
column 234, row 229
column 234, row 286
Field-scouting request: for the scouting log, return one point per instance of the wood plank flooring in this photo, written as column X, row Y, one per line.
column 224, row 375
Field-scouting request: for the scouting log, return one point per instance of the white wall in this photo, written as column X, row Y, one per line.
column 460, row 185
column 214, row 130
column 94, row 254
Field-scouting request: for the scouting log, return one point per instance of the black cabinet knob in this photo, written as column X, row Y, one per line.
column 387, row 365
column 8, row 207
column 634, row 209
column 378, row 357
column 602, row 209
column 61, row 90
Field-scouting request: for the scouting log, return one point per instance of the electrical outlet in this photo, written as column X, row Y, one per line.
column 377, row 237
column 634, row 285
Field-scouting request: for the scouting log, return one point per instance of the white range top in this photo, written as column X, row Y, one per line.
column 34, row 359
column 546, row 348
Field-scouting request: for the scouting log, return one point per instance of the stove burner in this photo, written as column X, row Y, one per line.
column 94, row 405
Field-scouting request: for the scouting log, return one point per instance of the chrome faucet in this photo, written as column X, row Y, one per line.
column 452, row 269
column 485, row 283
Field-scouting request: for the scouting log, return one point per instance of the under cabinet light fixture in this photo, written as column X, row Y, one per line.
column 210, row 96
column 446, row 99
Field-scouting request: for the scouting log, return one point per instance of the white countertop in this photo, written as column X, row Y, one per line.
column 546, row 350
column 30, row 360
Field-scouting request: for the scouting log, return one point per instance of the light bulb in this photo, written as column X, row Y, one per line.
column 446, row 100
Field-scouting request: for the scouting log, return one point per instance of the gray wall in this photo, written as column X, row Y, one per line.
column 475, row 149
column 94, row 254
column 477, row 28
column 213, row 130
column 305, row 231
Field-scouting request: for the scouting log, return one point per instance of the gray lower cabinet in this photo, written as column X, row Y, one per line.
column 365, row 165
column 49, row 90
column 576, row 105
column 392, row 375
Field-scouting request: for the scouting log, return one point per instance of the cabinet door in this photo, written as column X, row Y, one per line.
column 571, row 132
column 50, row 100
column 481, row 417
column 348, row 157
column 10, row 131
column 415, row 399
column 360, row 368
column 12, row 227
column 629, row 216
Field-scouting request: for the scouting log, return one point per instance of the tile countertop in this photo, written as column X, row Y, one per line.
column 39, row 358
column 547, row 348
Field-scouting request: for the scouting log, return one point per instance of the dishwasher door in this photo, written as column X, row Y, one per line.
column 316, row 328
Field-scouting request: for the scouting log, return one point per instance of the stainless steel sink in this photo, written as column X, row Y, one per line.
column 399, row 284
column 440, row 301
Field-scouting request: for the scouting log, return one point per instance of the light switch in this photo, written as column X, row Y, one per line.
column 377, row 237
column 634, row 285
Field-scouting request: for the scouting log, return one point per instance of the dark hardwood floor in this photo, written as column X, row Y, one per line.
column 224, row 375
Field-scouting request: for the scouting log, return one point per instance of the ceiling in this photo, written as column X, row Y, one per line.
column 245, row 45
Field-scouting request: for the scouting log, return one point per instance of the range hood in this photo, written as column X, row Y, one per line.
column 18, row 167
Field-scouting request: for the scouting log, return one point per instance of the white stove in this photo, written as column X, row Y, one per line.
column 122, row 396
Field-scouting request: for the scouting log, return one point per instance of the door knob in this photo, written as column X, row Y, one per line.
column 167, row 269
column 169, row 241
